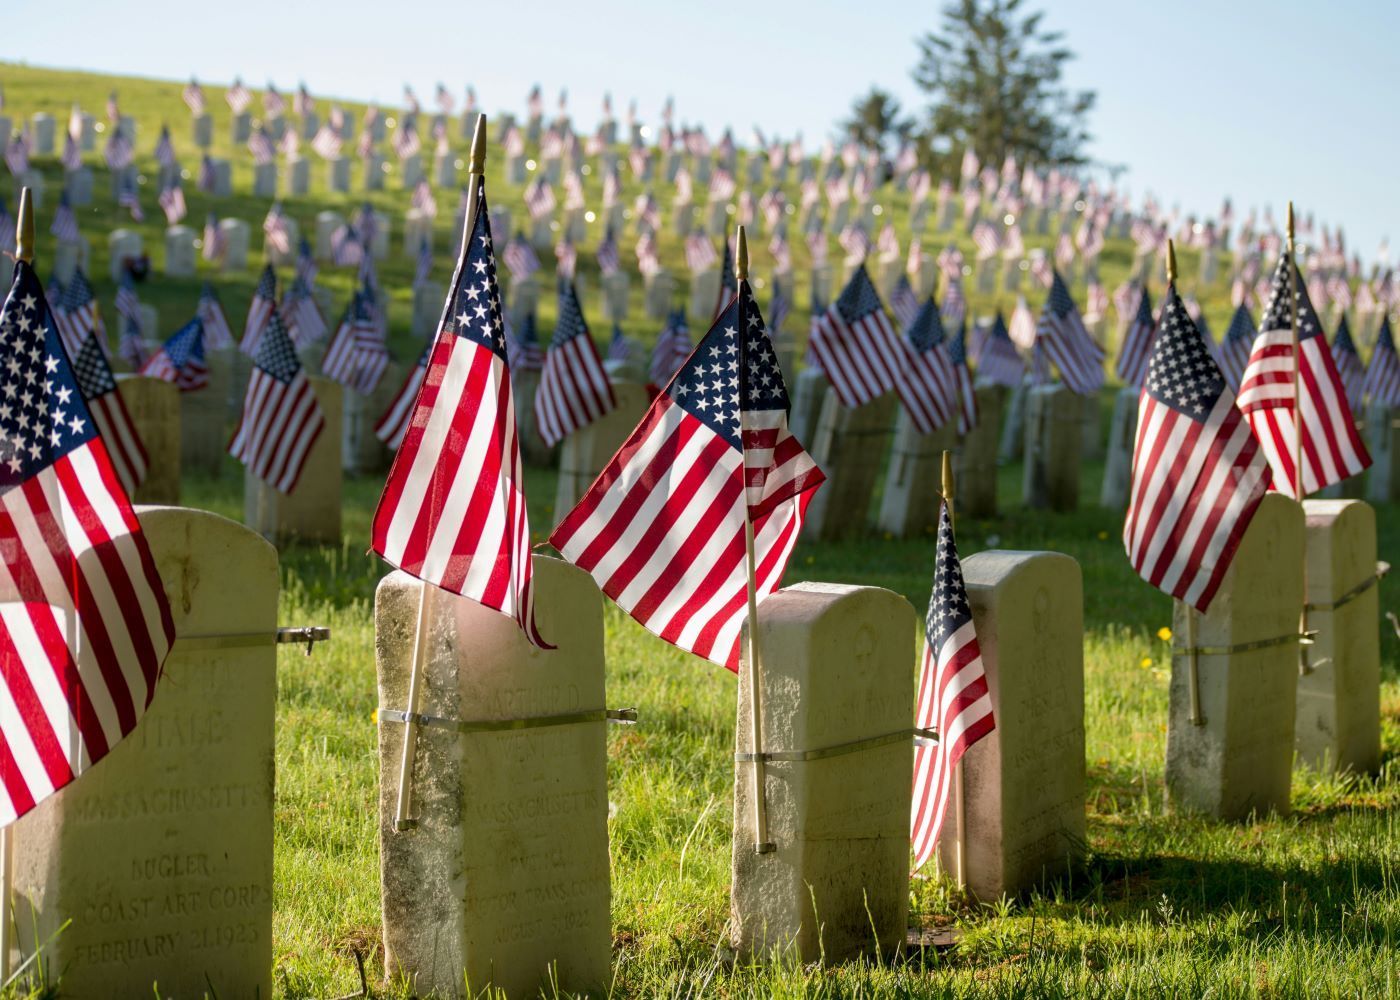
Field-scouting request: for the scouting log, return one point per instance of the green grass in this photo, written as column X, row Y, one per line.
column 1307, row 905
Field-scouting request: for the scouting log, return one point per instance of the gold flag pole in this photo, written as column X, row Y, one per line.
column 762, row 845
column 1300, row 492
column 959, row 799
column 1193, row 677
column 404, row 802
column 24, row 251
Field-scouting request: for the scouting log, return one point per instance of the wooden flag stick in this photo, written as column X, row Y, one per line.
column 1193, row 677
column 404, row 802
column 959, row 799
column 1304, row 667
column 762, row 845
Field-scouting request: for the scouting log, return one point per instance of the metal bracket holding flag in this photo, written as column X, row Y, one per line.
column 1382, row 569
column 617, row 716
column 925, row 736
column 295, row 635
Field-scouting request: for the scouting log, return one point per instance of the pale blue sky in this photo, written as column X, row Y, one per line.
column 1194, row 95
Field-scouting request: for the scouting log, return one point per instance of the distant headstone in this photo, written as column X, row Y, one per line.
column 160, row 861
column 154, row 406
column 660, row 294
column 122, row 245
column 1091, row 427
column 525, row 384
column 223, row 177
column 6, row 127
column 41, row 133
column 77, row 184
column 1118, row 464
column 379, row 246
column 445, row 170
column 503, row 880
column 298, row 177
column 236, row 235
column 417, row 229
column 150, row 322
column 1339, row 708
column 241, row 128
column 683, row 218
column 1054, row 440
column 276, row 126
column 265, row 180
column 704, row 293
column 338, row 175
column 1383, row 441
column 87, row 134
column 1023, row 783
column 584, row 453
column 310, row 123
column 809, row 394
column 204, row 415
column 327, row 222
column 835, row 672
column 1013, row 428
column 849, row 446
column 913, row 480
column 374, row 172
column 411, row 171
column 311, row 512
column 361, row 450
column 616, row 295
column 179, row 252
column 283, row 258
column 976, row 461
column 1239, row 761
column 68, row 256
column 428, row 297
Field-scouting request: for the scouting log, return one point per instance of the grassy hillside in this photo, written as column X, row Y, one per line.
column 1307, row 905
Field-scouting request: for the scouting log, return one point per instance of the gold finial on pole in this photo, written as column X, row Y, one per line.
column 1171, row 262
column 948, row 481
column 478, row 158
column 1290, row 227
column 24, row 227
column 741, row 255
column 474, row 175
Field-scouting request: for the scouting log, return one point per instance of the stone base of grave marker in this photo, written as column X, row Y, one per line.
column 1383, row 442
column 913, row 481
column 849, row 446
column 157, row 867
column 1023, row 783
column 1339, row 708
column 835, row 666
column 311, row 512
column 1239, row 761
column 976, row 461
column 155, row 412
column 1053, row 448
column 503, row 880
column 584, row 454
column 1118, row 463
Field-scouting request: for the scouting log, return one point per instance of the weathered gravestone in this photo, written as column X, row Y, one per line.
column 154, row 407
column 1339, row 695
column 236, row 235
column 287, row 257
column 616, row 289
column 1013, row 428
column 298, row 177
column 1023, row 783
column 660, row 294
column 1054, row 446
column 240, row 128
column 503, row 876
column 1118, row 463
column 1239, row 760
column 204, row 415
column 265, row 180
column 585, row 453
column 77, row 184
column 976, row 459
column 1383, row 442
column 428, row 297
column 361, row 450
column 835, row 676
column 374, row 172
column 807, row 399
column 311, row 512
column 327, row 223
column 202, row 129
column 338, row 175
column 68, row 256
column 223, row 177
column 849, row 446
column 161, row 858
column 42, row 129
column 909, row 504
column 179, row 252
column 123, row 245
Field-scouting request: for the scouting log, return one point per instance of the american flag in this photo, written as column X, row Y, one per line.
column 281, row 417
column 1332, row 448
column 648, row 256
column 131, row 345
column 87, row 626
column 260, row 145
column 72, row 158
column 986, row 239
column 778, row 308
column 520, row 258
column 118, row 152
column 275, row 230
column 214, row 245
column 999, row 362
column 260, row 311
column 453, row 511
column 565, row 258
column 954, row 699
column 109, row 413
column 445, row 101
column 347, row 249
column 523, row 352
column 207, row 176
column 356, row 356
column 954, row 308
column 307, row 268
column 662, row 529
column 1068, row 343
column 672, row 348
column 722, row 185
column 423, row 266
column 423, row 199
column 274, row 104
column 238, row 97
column 130, row 199
column 127, row 302
column 165, row 149
column 966, row 397
column 1137, row 342
column 728, row 286
column 1198, row 471
column 394, row 423
column 217, row 334
column 574, row 389
column 621, row 347
column 172, row 202
column 76, row 315
column 539, row 198
column 328, row 142
column 924, row 380
column 903, row 302
column 181, row 358
column 193, row 96
column 700, row 254
column 1382, row 383
column 1349, row 367
column 1236, row 347
column 65, row 223
column 607, row 255
column 855, row 345
column 300, row 315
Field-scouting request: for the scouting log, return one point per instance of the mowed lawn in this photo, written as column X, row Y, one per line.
column 1307, row 905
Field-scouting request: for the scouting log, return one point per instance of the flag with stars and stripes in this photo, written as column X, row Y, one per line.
column 181, row 358
column 1067, row 342
column 728, row 286
column 574, row 388
column 300, row 314
column 453, row 510
column 903, row 302
column 607, row 255
column 76, row 315
column 998, row 362
column 962, row 377
column 1235, row 348
column 1382, row 383
column 523, row 350
column 925, row 381
column 1137, row 342
column 954, row 700
column 217, row 334
column 854, row 343
column 520, row 258
column 84, row 624
column 673, row 347
column 356, row 356
column 1198, row 470
column 394, row 423
column 260, row 310
column 281, row 416
column 109, row 413
column 65, row 223
column 1349, row 367
column 1332, row 449
column 193, row 96
column 662, row 530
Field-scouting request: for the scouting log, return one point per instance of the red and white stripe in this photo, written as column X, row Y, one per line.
column 280, row 424
column 124, row 448
column 574, row 389
column 860, row 358
column 927, row 386
column 394, row 423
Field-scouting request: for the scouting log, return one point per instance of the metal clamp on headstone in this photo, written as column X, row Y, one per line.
column 1382, row 568
column 920, row 736
column 309, row 634
column 621, row 716
column 1302, row 638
